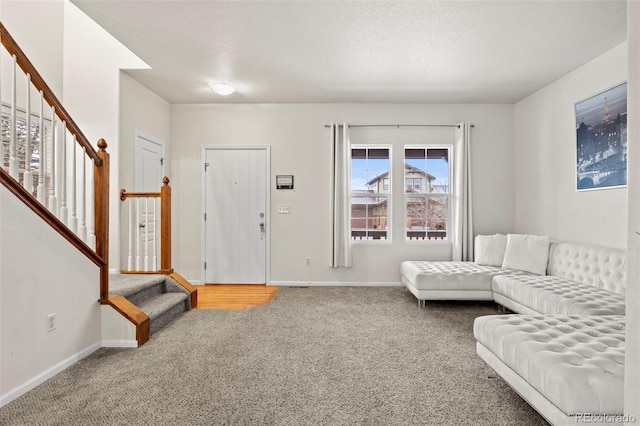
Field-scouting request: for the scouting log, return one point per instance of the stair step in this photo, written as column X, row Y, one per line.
column 164, row 308
column 128, row 284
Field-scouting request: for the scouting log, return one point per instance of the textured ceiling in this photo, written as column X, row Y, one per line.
column 359, row 51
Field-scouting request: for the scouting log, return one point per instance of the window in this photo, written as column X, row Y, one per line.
column 32, row 163
column 413, row 184
column 370, row 192
column 385, row 184
column 427, row 192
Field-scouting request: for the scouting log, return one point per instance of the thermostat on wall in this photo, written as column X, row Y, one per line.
column 284, row 182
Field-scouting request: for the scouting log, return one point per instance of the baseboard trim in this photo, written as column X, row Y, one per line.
column 46, row 375
column 119, row 344
column 334, row 284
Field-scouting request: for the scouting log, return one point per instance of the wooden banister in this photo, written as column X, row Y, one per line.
column 101, row 169
column 101, row 211
column 36, row 79
column 124, row 194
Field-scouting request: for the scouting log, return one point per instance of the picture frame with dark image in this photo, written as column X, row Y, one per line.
column 601, row 140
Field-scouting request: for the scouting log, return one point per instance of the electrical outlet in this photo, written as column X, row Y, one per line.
column 51, row 322
column 307, row 261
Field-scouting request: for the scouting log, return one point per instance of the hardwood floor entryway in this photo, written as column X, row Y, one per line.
column 234, row 296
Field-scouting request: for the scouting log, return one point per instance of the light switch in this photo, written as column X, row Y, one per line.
column 283, row 208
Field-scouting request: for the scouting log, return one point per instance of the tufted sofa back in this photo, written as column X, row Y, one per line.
column 601, row 267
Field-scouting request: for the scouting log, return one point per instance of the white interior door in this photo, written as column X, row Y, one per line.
column 148, row 159
column 146, row 211
column 235, row 215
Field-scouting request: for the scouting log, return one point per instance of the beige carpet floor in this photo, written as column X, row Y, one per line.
column 313, row 356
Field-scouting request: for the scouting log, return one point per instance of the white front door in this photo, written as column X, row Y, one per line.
column 236, row 184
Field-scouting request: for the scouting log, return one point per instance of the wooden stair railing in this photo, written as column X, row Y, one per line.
column 145, row 233
column 142, row 246
column 41, row 168
column 28, row 132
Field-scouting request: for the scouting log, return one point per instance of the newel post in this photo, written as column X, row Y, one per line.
column 101, row 211
column 165, row 227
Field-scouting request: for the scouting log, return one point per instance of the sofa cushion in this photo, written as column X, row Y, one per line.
column 527, row 253
column 557, row 296
column 577, row 363
column 427, row 275
column 601, row 267
column 489, row 249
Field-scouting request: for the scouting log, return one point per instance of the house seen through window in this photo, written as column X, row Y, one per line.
column 427, row 193
column 370, row 192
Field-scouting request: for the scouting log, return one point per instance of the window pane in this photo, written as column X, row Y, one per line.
column 427, row 218
column 426, row 170
column 369, row 218
column 438, row 167
column 369, row 169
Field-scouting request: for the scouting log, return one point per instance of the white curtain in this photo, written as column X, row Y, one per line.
column 340, row 196
column 462, row 216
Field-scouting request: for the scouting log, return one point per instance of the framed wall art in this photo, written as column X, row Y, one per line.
column 601, row 140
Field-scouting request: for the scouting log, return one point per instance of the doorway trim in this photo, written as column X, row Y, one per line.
column 203, row 225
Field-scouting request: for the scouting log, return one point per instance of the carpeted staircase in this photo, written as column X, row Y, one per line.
column 158, row 296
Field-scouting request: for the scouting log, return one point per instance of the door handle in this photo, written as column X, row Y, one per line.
column 261, row 225
column 141, row 225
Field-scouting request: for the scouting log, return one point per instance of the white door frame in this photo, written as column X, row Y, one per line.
column 203, row 225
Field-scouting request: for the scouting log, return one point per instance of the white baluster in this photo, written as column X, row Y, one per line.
column 62, row 184
column 27, row 180
column 132, row 227
column 137, row 234
column 146, row 234
column 91, row 236
column 82, row 212
column 73, row 220
column 14, row 165
column 53, row 197
column 42, row 165
column 154, row 261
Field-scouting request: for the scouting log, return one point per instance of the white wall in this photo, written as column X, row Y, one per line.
column 92, row 62
column 300, row 146
column 632, row 361
column 41, row 274
column 546, row 200
column 37, row 26
column 141, row 112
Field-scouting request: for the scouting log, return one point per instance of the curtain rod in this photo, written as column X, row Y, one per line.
column 400, row 125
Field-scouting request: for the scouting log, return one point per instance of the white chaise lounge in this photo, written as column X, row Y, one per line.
column 569, row 368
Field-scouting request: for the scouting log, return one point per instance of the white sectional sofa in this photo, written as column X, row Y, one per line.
column 563, row 351
column 580, row 279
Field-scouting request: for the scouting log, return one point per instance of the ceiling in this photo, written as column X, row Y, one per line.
column 440, row 51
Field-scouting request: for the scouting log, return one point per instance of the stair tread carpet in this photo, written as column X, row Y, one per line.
column 126, row 285
column 161, row 304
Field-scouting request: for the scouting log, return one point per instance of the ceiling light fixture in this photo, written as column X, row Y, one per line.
column 223, row 89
